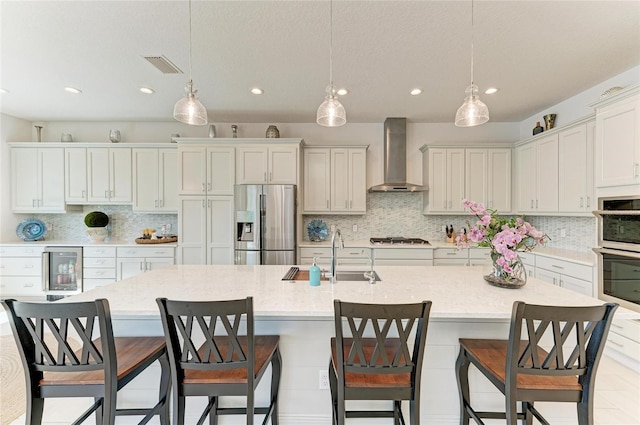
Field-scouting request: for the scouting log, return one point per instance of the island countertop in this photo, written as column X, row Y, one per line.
column 456, row 292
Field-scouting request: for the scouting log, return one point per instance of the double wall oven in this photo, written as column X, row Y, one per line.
column 619, row 250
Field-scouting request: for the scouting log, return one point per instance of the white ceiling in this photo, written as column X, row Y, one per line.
column 537, row 52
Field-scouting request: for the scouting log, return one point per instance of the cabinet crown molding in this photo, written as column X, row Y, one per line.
column 167, row 145
column 238, row 141
column 622, row 94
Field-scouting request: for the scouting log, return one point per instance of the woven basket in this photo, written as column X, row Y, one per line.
column 172, row 239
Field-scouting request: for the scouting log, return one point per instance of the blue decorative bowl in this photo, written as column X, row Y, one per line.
column 317, row 230
column 31, row 230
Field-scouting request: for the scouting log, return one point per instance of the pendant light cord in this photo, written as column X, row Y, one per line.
column 471, row 41
column 331, row 44
column 190, row 79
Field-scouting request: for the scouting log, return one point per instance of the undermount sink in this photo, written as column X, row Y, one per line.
column 295, row 273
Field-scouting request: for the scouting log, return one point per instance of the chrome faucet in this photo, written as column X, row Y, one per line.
column 332, row 270
column 370, row 275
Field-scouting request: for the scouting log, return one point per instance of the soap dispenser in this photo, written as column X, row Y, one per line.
column 314, row 273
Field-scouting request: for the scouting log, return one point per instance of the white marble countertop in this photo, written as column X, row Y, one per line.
column 83, row 242
column 456, row 292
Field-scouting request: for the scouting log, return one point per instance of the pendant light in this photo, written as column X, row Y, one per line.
column 189, row 110
column 331, row 113
column 472, row 112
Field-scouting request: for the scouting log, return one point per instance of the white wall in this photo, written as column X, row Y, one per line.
column 11, row 130
column 578, row 106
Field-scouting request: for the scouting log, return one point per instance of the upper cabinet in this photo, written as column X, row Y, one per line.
column 537, row 175
column 478, row 174
column 575, row 169
column 259, row 164
column 37, row 180
column 617, row 153
column 335, row 180
column 155, row 180
column 75, row 179
column 109, row 175
column 206, row 170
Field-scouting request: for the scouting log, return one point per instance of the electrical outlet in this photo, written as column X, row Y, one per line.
column 355, row 228
column 323, row 382
column 444, row 228
column 563, row 233
column 333, row 228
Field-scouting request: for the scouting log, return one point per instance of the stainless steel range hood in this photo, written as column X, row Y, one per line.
column 395, row 159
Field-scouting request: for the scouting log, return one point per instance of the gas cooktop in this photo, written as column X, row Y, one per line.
column 398, row 240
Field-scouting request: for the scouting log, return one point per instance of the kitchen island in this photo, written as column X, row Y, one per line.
column 464, row 305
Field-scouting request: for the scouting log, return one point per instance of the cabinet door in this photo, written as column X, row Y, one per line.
column 192, row 225
column 578, row 285
column 221, row 171
column 192, row 170
column 357, row 180
column 220, row 230
column 455, row 179
column 251, row 165
column 157, row 263
column 75, row 175
column 168, row 180
column 547, row 174
column 548, row 276
column 437, row 180
column 317, row 179
column 129, row 267
column 120, row 175
column 572, row 169
column 98, row 175
column 339, row 179
column 283, row 165
column 24, row 179
column 526, row 177
column 476, row 183
column 145, row 180
column 499, row 179
column 618, row 144
column 51, row 179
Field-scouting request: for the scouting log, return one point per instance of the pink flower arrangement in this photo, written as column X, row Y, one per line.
column 504, row 235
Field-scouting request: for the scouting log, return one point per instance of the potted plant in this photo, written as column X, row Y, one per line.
column 96, row 222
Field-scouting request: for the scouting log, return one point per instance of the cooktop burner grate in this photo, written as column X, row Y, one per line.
column 398, row 240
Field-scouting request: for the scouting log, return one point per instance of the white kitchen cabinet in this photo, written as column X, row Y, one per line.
column 403, row 257
column 206, row 226
column 206, row 170
column 617, row 153
column 109, row 175
column 567, row 274
column 98, row 266
column 132, row 261
column 258, row 164
column 575, row 169
column 537, row 168
column 21, row 271
column 529, row 261
column 488, row 177
column 624, row 337
column 155, row 180
column 75, row 181
column 335, row 180
column 480, row 257
column 446, row 179
column 450, row 257
column 37, row 180
column 359, row 258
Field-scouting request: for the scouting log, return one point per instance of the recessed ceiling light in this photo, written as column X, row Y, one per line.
column 147, row 90
column 415, row 92
column 73, row 90
column 257, row 90
column 342, row 92
column 491, row 90
column 4, row 91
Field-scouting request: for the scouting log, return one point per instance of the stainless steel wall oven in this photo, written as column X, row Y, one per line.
column 619, row 250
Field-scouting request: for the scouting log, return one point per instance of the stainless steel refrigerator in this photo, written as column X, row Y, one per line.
column 265, row 220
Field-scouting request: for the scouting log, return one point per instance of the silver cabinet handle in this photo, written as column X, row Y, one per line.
column 265, row 176
column 141, row 266
column 536, row 204
column 33, row 203
column 28, row 266
column 532, row 204
column 203, row 187
column 318, row 253
column 636, row 167
column 452, row 253
column 83, row 193
column 581, row 202
column 614, row 343
column 557, row 267
column 270, row 176
column 327, row 203
column 203, row 203
column 156, row 203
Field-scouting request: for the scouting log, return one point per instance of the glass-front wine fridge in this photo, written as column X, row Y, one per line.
column 61, row 271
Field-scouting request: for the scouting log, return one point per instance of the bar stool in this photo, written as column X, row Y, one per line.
column 525, row 372
column 102, row 365
column 381, row 367
column 228, row 363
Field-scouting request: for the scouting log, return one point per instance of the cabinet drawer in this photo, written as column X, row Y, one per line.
column 353, row 253
column 402, row 254
column 627, row 328
column 480, row 254
column 89, row 284
column 21, row 266
column 131, row 252
column 527, row 258
column 412, row 262
column 17, row 285
column 99, row 262
column 450, row 262
column 624, row 345
column 21, row 251
column 94, row 251
column 450, row 253
column 578, row 285
column 315, row 252
column 100, row 273
column 579, row 271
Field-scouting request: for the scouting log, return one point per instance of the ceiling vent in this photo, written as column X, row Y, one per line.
column 163, row 64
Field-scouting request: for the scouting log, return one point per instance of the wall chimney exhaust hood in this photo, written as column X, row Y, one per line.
column 395, row 159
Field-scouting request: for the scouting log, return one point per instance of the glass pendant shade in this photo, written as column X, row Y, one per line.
column 472, row 112
column 331, row 113
column 189, row 110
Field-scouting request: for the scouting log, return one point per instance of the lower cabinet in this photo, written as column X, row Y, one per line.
column 450, row 257
column 402, row 257
column 359, row 257
column 132, row 261
column 98, row 266
column 21, row 271
column 529, row 262
column 624, row 337
column 574, row 276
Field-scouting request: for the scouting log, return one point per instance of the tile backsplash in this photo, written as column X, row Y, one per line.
column 124, row 224
column 400, row 214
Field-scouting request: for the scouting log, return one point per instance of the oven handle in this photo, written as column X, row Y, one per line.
column 601, row 213
column 618, row 252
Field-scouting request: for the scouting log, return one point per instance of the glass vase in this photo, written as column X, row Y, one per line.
column 517, row 278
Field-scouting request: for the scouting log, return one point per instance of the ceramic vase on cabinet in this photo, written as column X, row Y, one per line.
column 272, row 132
